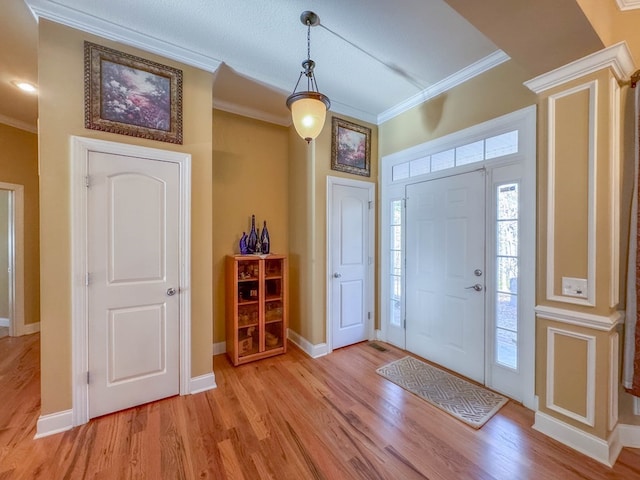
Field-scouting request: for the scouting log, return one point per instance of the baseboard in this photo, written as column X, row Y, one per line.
column 5, row 322
column 54, row 423
column 203, row 383
column 605, row 452
column 314, row 351
column 629, row 435
column 29, row 328
column 220, row 347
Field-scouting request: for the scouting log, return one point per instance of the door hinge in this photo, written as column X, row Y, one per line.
column 369, row 315
column 87, row 377
column 86, row 181
column 404, row 202
column 370, row 204
column 87, row 279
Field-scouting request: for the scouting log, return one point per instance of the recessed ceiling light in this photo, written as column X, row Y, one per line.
column 25, row 86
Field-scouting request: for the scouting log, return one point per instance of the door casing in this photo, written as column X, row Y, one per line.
column 16, row 261
column 80, row 148
column 331, row 182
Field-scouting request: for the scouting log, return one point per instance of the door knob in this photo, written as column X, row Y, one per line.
column 477, row 272
column 477, row 287
column 337, row 275
column 171, row 291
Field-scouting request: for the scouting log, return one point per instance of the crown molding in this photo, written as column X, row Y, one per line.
column 483, row 65
column 616, row 57
column 254, row 113
column 73, row 18
column 12, row 122
column 628, row 4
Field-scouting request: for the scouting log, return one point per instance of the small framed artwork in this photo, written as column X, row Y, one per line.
column 129, row 95
column 350, row 147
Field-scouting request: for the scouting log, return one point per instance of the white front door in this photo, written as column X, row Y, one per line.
column 445, row 272
column 133, row 294
column 349, row 262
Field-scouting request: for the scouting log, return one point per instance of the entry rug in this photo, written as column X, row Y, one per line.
column 470, row 403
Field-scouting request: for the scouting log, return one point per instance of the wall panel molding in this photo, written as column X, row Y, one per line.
column 587, row 320
column 614, row 343
column 590, row 394
column 592, row 88
column 614, row 187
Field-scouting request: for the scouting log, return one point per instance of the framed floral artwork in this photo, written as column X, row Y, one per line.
column 350, row 147
column 130, row 95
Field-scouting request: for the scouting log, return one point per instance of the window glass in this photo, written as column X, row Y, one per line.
column 471, row 153
column 420, row 166
column 443, row 160
column 400, row 171
column 501, row 145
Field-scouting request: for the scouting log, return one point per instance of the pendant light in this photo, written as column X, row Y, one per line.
column 308, row 108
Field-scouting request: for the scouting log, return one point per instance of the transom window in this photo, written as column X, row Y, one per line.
column 478, row 151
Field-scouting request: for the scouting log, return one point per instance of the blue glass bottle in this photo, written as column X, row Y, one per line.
column 253, row 236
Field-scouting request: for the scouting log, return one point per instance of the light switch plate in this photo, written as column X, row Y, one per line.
column 574, row 287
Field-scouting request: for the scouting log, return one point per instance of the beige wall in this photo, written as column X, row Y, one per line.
column 613, row 25
column 309, row 167
column 492, row 94
column 4, row 254
column 570, row 375
column 19, row 165
column 250, row 176
column 299, row 196
column 60, row 67
column 571, row 151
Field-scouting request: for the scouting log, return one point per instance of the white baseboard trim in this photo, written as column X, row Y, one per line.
column 605, row 452
column 202, row 383
column 54, row 423
column 5, row 322
column 314, row 351
column 220, row 347
column 29, row 328
column 629, row 435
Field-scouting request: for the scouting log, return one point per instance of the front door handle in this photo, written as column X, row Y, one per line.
column 337, row 275
column 171, row 291
column 477, row 287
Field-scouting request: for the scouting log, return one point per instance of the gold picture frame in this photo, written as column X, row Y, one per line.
column 129, row 95
column 350, row 147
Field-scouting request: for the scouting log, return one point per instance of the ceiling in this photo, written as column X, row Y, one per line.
column 374, row 58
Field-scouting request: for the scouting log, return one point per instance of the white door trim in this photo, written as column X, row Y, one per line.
column 80, row 148
column 16, row 260
column 370, row 187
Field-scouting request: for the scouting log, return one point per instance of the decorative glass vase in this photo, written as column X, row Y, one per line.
column 264, row 239
column 243, row 244
column 252, row 241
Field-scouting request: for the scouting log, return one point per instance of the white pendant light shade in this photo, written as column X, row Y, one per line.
column 308, row 108
column 308, row 113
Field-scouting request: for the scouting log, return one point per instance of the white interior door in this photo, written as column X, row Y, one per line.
column 445, row 249
column 349, row 262
column 133, row 294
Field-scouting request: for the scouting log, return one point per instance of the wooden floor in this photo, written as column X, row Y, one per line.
column 288, row 417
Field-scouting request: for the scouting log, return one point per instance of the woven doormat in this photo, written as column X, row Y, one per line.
column 470, row 403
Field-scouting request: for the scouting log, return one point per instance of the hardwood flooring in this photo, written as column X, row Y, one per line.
column 286, row 417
